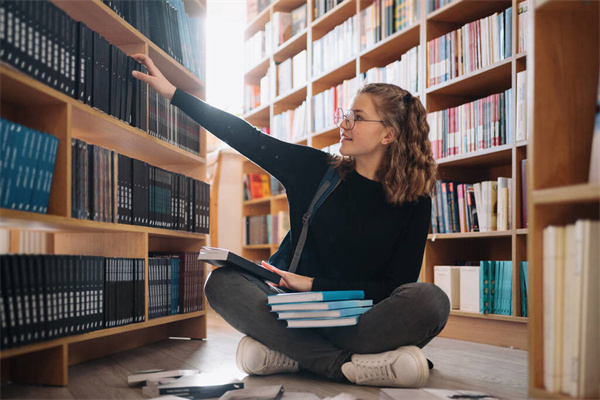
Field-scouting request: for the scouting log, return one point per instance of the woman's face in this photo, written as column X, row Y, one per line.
column 368, row 136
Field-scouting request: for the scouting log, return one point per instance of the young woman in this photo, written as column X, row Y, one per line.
column 369, row 234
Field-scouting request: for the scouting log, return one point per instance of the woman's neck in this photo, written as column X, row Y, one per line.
column 368, row 167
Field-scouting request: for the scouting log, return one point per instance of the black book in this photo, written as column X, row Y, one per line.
column 90, row 38
column 9, row 334
column 118, row 84
column 81, row 61
column 222, row 257
column 113, row 50
column 200, row 386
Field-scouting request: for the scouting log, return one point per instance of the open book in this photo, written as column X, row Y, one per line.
column 223, row 257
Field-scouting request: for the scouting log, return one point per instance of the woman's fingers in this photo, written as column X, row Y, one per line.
column 148, row 63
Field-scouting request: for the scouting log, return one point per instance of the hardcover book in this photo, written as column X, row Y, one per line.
column 302, row 297
column 222, row 257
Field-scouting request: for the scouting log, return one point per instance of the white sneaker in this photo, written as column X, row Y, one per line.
column 254, row 358
column 403, row 367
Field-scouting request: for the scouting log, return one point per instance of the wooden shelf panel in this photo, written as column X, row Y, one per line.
column 334, row 77
column 477, row 84
column 44, row 222
column 256, row 72
column 176, row 73
column 195, row 8
column 389, row 49
column 463, row 11
column 522, row 231
column 98, row 334
column 481, row 158
column 289, row 100
column 279, row 197
column 288, row 5
column 563, row 5
column 22, row 90
column 582, row 193
column 291, row 47
column 258, row 23
column 254, row 202
column 321, row 26
column 497, row 317
column 468, row 235
column 259, row 116
column 256, row 246
column 326, row 137
column 488, row 330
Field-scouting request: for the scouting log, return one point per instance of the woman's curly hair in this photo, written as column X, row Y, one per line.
column 408, row 169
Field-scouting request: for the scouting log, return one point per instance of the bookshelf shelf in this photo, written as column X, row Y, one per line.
column 496, row 317
column 521, row 56
column 289, row 100
column 258, row 23
column 291, row 47
column 258, row 71
column 461, row 11
column 264, row 200
column 35, row 347
column 257, row 247
column 34, row 221
column 330, row 78
column 467, row 235
column 522, row 143
column 31, row 103
column 522, row 231
column 480, row 158
column 286, row 5
column 332, row 18
column 482, row 82
column 581, row 193
column 387, row 50
column 326, row 137
column 259, row 116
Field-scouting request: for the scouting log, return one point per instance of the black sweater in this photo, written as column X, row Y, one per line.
column 360, row 241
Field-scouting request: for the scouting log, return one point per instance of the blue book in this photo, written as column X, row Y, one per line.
column 344, row 312
column 303, row 297
column 324, row 305
column 322, row 322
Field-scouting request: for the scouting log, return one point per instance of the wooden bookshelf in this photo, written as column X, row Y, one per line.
column 564, row 52
column 476, row 166
column 33, row 104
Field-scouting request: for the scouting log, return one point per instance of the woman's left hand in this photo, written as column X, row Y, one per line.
column 299, row 283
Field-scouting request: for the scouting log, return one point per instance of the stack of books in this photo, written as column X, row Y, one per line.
column 320, row 309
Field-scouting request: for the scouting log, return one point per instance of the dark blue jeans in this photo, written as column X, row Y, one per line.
column 413, row 315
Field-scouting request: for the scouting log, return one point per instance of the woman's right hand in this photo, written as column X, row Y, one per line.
column 154, row 77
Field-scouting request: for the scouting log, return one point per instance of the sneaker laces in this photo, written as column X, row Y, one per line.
column 374, row 370
column 280, row 360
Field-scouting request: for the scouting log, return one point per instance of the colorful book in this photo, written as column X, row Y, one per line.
column 302, row 297
column 326, row 305
column 344, row 312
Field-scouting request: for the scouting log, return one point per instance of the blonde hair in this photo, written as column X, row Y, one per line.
column 408, row 169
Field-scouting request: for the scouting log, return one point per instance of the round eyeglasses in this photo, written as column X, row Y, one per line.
column 350, row 117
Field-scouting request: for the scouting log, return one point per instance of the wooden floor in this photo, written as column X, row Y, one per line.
column 494, row 370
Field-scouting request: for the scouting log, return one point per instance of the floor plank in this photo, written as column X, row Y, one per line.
column 498, row 371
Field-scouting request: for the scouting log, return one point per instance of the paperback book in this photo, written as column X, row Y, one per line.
column 222, row 257
column 301, row 297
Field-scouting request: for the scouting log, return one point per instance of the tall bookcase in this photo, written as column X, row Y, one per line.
column 565, row 63
column 487, row 164
column 35, row 105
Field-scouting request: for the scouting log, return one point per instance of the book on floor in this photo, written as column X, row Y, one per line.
column 141, row 377
column 200, row 386
column 435, row 394
column 322, row 322
column 223, row 257
column 324, row 305
column 344, row 312
column 302, row 297
column 273, row 392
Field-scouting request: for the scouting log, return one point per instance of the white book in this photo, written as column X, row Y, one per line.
column 299, row 69
column 4, row 241
column 143, row 376
column 344, row 312
column 447, row 278
column 503, row 200
column 322, row 322
column 570, row 292
column 521, row 106
column 594, row 174
column 469, row 289
column 589, row 354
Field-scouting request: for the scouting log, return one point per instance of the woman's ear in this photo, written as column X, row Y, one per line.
column 389, row 137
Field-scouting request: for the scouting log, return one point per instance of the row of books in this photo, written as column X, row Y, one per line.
column 267, row 86
column 523, row 24
column 141, row 195
column 172, row 125
column 256, row 186
column 476, row 45
column 291, row 125
column 320, row 309
column 255, row 50
column 27, row 165
column 480, row 124
column 291, row 73
column 571, row 322
column 42, row 41
column 265, row 229
column 252, row 97
column 485, row 288
column 472, row 207
column 325, row 104
column 383, row 18
column 322, row 7
column 175, row 284
column 433, row 5
column 255, row 7
column 336, row 47
column 49, row 296
column 30, row 242
column 403, row 72
column 166, row 23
